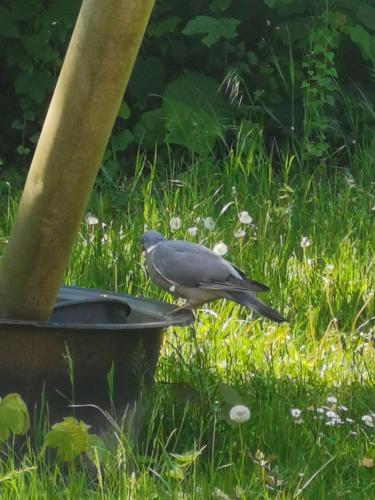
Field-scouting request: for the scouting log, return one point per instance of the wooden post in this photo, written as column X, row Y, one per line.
column 80, row 118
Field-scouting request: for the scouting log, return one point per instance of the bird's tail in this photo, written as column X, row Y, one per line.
column 250, row 301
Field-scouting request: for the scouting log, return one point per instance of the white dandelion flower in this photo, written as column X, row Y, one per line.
column 305, row 242
column 295, row 412
column 209, row 223
column 218, row 493
column 329, row 268
column 331, row 414
column 192, row 231
column 331, row 422
column 91, row 220
column 175, row 223
column 367, row 420
column 239, row 233
column 332, row 400
column 239, row 414
column 245, row 218
column 220, row 248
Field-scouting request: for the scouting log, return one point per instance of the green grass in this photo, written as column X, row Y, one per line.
column 327, row 349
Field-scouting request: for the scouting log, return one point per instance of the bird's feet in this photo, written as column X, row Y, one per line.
column 185, row 307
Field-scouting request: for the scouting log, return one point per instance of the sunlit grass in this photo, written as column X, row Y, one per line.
column 312, row 240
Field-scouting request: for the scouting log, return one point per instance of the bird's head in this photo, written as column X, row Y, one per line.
column 149, row 239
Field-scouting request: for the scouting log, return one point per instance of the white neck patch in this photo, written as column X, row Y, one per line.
column 150, row 249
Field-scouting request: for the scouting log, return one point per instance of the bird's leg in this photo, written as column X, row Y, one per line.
column 185, row 306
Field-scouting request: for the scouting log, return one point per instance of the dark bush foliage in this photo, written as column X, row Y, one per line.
column 205, row 66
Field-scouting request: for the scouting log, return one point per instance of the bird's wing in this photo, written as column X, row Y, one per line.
column 194, row 266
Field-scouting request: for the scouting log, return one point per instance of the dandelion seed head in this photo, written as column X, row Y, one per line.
column 91, row 220
column 192, row 231
column 239, row 233
column 331, row 414
column 239, row 414
column 305, row 242
column 218, row 493
column 332, row 400
column 295, row 412
column 245, row 218
column 220, row 248
column 175, row 223
column 367, row 420
column 209, row 223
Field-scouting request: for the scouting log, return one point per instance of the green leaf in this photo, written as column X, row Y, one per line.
column 122, row 140
column 150, row 129
column 14, row 416
column 124, row 111
column 362, row 38
column 70, row 437
column 162, row 28
column 194, row 112
column 215, row 29
column 97, row 449
column 36, row 85
column 18, row 125
column 230, row 395
column 219, row 5
column 252, row 58
column 22, row 150
column 8, row 25
column 366, row 16
column 188, row 458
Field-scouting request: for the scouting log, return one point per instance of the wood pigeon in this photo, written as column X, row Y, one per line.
column 197, row 274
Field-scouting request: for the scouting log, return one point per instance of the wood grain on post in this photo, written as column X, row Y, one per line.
column 80, row 118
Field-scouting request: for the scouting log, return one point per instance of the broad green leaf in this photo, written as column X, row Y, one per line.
column 36, row 85
column 70, row 437
column 124, row 111
column 22, row 150
column 162, row 28
column 366, row 16
column 97, row 449
column 362, row 38
column 214, row 29
column 337, row 19
column 186, row 459
column 230, row 395
column 150, row 129
column 14, row 416
column 8, row 26
column 194, row 112
column 216, row 5
column 122, row 140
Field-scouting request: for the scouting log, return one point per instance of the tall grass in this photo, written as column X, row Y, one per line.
column 312, row 241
